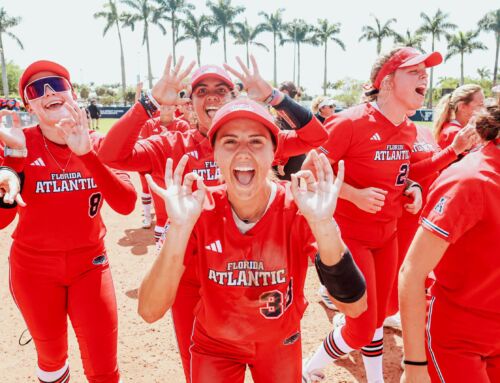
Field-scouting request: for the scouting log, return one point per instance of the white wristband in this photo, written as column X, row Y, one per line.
column 152, row 99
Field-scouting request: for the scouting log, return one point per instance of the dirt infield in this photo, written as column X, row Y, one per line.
column 148, row 353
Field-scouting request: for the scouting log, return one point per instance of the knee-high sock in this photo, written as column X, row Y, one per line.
column 333, row 347
column 146, row 204
column 59, row 376
column 372, row 357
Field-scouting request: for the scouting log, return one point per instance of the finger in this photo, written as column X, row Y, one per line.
column 320, row 174
column 340, row 174
column 377, row 203
column 244, row 68
column 327, row 168
column 294, row 186
column 168, row 173
column 202, row 190
column 308, row 178
column 381, row 191
column 178, row 66
column 234, row 72
column 254, row 65
column 378, row 197
column 179, row 170
column 72, row 111
column 182, row 101
column 187, row 71
column 154, row 186
column 85, row 121
column 189, row 179
column 168, row 65
column 20, row 201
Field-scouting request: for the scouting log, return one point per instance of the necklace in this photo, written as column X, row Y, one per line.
column 63, row 169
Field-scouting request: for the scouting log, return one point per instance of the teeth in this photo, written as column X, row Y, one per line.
column 243, row 169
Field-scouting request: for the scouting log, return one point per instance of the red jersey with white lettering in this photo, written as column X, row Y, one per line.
column 376, row 153
column 463, row 209
column 63, row 206
column 154, row 126
column 252, row 285
column 448, row 133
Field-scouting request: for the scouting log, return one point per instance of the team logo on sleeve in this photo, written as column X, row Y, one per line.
column 439, row 208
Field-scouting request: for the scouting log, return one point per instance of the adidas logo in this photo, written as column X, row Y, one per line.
column 215, row 247
column 193, row 154
column 375, row 137
column 38, row 162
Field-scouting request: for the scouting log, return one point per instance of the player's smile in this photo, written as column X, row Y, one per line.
column 244, row 174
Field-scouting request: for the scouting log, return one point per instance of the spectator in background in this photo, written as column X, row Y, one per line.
column 323, row 107
column 95, row 114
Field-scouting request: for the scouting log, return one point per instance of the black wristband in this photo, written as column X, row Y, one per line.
column 344, row 281
column 148, row 105
column 413, row 363
column 294, row 114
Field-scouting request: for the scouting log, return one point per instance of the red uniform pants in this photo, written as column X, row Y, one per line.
column 219, row 361
column 462, row 346
column 50, row 286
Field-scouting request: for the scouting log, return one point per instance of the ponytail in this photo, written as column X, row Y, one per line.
column 442, row 114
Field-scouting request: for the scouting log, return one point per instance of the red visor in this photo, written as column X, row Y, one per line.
column 404, row 58
column 214, row 71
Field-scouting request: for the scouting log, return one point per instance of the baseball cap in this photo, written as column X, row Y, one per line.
column 326, row 102
column 206, row 71
column 41, row 66
column 243, row 108
column 406, row 57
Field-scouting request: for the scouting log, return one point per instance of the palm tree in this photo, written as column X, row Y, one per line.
column 462, row 43
column 491, row 22
column 244, row 34
column 171, row 8
column 113, row 18
column 6, row 23
column 146, row 14
column 273, row 22
column 378, row 33
column 436, row 26
column 196, row 29
column 223, row 15
column 483, row 73
column 298, row 32
column 409, row 39
column 322, row 34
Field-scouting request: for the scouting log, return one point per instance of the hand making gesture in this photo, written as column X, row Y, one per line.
column 12, row 137
column 10, row 187
column 182, row 203
column 166, row 90
column 74, row 130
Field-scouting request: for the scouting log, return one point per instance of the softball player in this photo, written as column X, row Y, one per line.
column 211, row 86
column 61, row 269
column 375, row 140
column 250, row 247
column 458, row 239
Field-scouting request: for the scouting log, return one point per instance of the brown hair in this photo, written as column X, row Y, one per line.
column 488, row 123
column 290, row 87
column 446, row 108
column 370, row 92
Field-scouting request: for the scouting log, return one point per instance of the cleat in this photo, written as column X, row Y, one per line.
column 394, row 321
column 146, row 223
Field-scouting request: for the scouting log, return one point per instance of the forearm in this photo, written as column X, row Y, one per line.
column 159, row 287
column 428, row 167
column 330, row 244
column 348, row 192
column 116, row 187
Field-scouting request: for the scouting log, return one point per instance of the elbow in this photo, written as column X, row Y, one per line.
column 149, row 316
column 152, row 314
column 129, row 205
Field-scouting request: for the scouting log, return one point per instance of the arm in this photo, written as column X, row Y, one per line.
column 11, row 184
column 424, row 254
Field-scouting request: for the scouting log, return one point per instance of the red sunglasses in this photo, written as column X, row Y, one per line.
column 36, row 88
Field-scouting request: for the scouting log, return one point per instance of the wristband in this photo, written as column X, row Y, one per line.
column 148, row 105
column 152, row 99
column 16, row 153
column 413, row 363
column 413, row 184
column 274, row 98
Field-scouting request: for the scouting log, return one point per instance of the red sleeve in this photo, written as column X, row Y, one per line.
column 300, row 141
column 340, row 133
column 447, row 135
column 429, row 166
column 181, row 125
column 120, row 148
column 8, row 215
column 454, row 205
column 146, row 129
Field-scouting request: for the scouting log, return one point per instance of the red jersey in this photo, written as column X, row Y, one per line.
column 154, row 126
column 63, row 207
column 463, row 209
column 376, row 153
column 448, row 133
column 252, row 285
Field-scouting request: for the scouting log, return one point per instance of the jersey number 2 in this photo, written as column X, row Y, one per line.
column 403, row 174
column 273, row 300
column 94, row 202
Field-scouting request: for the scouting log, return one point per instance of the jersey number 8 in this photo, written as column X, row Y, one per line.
column 94, row 202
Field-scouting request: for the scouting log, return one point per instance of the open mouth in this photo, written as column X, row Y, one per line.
column 211, row 110
column 244, row 175
column 420, row 90
column 53, row 105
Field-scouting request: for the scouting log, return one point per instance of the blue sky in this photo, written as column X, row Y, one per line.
column 65, row 31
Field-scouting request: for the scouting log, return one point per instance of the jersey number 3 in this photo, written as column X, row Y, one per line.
column 94, row 202
column 274, row 304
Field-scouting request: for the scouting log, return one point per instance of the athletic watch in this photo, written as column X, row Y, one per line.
column 149, row 104
column 17, row 153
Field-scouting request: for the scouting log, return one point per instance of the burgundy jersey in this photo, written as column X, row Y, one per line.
column 252, row 285
column 463, row 209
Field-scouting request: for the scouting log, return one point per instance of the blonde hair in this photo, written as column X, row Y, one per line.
column 371, row 93
column 315, row 103
column 446, row 108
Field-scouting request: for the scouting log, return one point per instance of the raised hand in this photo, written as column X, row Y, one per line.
column 466, row 138
column 166, row 90
column 12, row 137
column 317, row 201
column 74, row 130
column 10, row 187
column 258, row 89
column 183, row 205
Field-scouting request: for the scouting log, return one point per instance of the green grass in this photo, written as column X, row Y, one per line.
column 105, row 124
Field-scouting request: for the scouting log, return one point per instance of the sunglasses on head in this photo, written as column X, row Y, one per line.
column 36, row 88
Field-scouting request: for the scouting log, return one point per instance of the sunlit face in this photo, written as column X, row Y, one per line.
column 409, row 86
column 327, row 111
column 209, row 96
column 475, row 105
column 49, row 109
column 244, row 152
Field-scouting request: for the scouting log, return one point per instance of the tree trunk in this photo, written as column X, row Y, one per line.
column 275, row 73
column 172, row 17
column 294, row 61
column 379, row 46
column 198, row 51
column 495, row 69
column 150, row 74
column 325, row 80
column 5, row 81
column 461, row 68
column 224, row 42
column 122, row 62
column 429, row 102
column 298, row 64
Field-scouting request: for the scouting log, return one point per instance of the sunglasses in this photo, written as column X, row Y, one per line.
column 36, row 88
